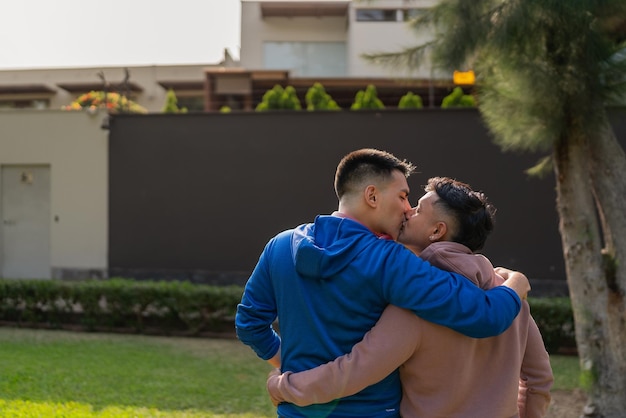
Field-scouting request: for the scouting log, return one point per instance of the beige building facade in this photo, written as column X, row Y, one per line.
column 297, row 42
column 328, row 38
column 53, row 194
column 53, row 88
column 301, row 42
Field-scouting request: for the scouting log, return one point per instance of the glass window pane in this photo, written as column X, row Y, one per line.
column 193, row 104
column 375, row 15
column 306, row 59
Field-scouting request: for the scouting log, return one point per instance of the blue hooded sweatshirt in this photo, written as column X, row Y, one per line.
column 328, row 282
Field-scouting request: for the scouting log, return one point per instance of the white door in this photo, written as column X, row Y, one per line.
column 25, row 240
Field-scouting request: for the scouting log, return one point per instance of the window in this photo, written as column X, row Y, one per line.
column 24, row 104
column 192, row 103
column 376, row 15
column 306, row 59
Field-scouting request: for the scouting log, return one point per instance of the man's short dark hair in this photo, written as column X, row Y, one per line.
column 474, row 214
column 367, row 163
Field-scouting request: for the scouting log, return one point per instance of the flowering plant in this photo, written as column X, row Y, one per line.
column 113, row 102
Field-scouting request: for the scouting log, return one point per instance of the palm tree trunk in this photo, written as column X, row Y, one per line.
column 582, row 195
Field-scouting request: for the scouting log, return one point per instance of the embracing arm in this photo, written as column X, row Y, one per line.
column 383, row 349
column 448, row 299
column 536, row 377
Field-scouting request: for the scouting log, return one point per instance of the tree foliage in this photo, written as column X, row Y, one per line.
column 529, row 56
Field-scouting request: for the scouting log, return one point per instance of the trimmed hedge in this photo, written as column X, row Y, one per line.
column 555, row 320
column 162, row 307
column 175, row 307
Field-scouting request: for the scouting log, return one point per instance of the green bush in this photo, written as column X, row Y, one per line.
column 177, row 307
column 278, row 98
column 410, row 101
column 171, row 103
column 555, row 320
column 317, row 99
column 458, row 99
column 367, row 99
column 119, row 304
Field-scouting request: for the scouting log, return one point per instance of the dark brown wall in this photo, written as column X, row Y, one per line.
column 197, row 196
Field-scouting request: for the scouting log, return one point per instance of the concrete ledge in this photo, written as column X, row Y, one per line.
column 63, row 273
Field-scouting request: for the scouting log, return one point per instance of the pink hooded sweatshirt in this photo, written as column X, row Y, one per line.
column 443, row 373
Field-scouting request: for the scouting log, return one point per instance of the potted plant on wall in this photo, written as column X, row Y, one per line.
column 111, row 101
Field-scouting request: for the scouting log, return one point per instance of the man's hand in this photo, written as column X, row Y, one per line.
column 515, row 280
column 272, row 386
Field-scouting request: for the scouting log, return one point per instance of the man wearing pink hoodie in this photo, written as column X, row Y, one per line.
column 443, row 373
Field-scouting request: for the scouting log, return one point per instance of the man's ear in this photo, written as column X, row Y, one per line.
column 440, row 231
column 371, row 195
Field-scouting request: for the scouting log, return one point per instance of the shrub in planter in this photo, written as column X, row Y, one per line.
column 171, row 103
column 410, row 101
column 367, row 99
column 317, row 99
column 458, row 99
column 112, row 102
column 280, row 99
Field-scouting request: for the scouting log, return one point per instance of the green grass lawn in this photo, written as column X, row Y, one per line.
column 81, row 375
column 106, row 375
column 566, row 372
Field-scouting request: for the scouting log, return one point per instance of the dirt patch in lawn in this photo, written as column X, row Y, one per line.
column 567, row 404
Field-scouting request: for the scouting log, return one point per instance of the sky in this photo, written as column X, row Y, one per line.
column 101, row 33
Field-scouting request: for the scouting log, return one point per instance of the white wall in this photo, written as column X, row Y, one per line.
column 76, row 149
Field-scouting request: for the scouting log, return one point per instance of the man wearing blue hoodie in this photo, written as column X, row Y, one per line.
column 328, row 282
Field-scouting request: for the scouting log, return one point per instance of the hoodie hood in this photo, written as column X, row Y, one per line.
column 326, row 247
column 452, row 256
